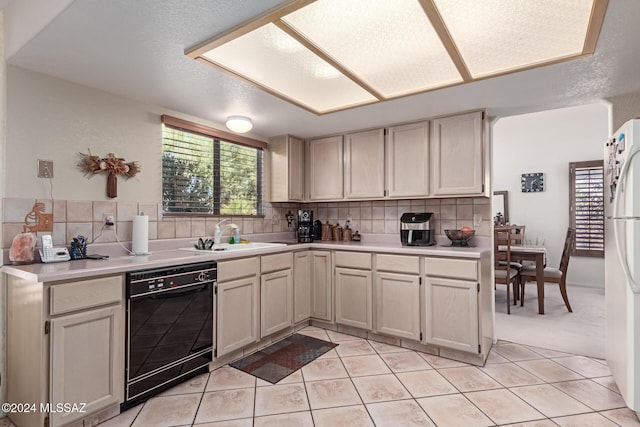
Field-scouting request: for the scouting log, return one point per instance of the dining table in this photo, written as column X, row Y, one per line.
column 537, row 254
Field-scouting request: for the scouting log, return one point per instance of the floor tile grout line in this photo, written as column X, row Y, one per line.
column 554, row 384
column 357, row 391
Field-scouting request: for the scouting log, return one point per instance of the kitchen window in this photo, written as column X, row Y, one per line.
column 206, row 171
column 587, row 207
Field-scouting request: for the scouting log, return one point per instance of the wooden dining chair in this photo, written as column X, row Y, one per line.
column 517, row 237
column 552, row 275
column 504, row 273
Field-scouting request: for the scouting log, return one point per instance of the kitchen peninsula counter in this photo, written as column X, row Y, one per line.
column 168, row 254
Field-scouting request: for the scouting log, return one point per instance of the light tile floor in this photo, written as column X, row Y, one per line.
column 366, row 383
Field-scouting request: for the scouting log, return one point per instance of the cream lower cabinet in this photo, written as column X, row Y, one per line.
column 86, row 361
column 321, row 285
column 354, row 299
column 451, row 295
column 398, row 298
column 237, row 303
column 301, row 286
column 276, row 293
column 354, row 289
column 65, row 345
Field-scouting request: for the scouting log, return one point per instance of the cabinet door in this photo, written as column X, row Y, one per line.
column 237, row 322
column 325, row 168
column 287, row 169
column 457, row 155
column 364, row 164
column 87, row 361
column 452, row 313
column 408, row 160
column 301, row 286
column 398, row 305
column 321, row 286
column 276, row 294
column 354, row 301
column 296, row 169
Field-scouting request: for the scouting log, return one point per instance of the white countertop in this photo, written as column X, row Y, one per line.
column 165, row 253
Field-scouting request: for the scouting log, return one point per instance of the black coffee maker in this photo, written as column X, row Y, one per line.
column 305, row 226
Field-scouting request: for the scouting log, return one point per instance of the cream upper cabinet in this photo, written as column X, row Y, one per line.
column 407, row 158
column 325, row 168
column 287, row 169
column 457, row 155
column 364, row 165
column 321, row 286
column 301, row 286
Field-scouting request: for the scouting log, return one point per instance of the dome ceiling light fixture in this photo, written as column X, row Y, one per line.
column 239, row 124
column 330, row 55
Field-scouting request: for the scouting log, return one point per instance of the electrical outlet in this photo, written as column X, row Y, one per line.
column 45, row 168
column 107, row 219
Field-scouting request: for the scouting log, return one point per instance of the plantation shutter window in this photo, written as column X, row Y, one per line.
column 587, row 207
column 209, row 172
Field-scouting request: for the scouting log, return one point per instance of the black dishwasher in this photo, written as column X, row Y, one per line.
column 169, row 327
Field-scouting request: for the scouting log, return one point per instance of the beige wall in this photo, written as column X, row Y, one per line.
column 623, row 108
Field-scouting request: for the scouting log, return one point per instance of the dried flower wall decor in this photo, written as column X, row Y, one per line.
column 111, row 165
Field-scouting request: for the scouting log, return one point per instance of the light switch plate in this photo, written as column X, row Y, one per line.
column 45, row 168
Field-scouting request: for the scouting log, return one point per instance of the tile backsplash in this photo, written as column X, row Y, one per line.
column 82, row 217
column 383, row 216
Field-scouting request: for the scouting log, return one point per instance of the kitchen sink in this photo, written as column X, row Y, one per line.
column 236, row 247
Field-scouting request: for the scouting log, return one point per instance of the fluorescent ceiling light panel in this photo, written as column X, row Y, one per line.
column 494, row 36
column 391, row 46
column 329, row 55
column 274, row 60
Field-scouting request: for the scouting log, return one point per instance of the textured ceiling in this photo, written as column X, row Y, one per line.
column 135, row 48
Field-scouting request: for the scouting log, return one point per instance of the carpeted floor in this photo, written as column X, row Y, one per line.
column 581, row 332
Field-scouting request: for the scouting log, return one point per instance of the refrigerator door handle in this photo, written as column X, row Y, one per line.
column 621, row 250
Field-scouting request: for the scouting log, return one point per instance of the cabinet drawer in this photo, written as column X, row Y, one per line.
column 85, row 294
column 237, row 268
column 447, row 267
column 353, row 260
column 398, row 263
column 275, row 262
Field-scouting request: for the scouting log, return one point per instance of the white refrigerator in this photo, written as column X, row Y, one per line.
column 622, row 259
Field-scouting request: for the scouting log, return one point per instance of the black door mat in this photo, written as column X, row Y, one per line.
column 280, row 359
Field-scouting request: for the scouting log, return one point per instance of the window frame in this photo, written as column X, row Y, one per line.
column 220, row 136
column 573, row 168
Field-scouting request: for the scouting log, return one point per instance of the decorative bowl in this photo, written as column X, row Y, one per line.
column 459, row 237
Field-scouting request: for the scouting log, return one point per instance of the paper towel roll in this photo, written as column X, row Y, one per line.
column 140, row 235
